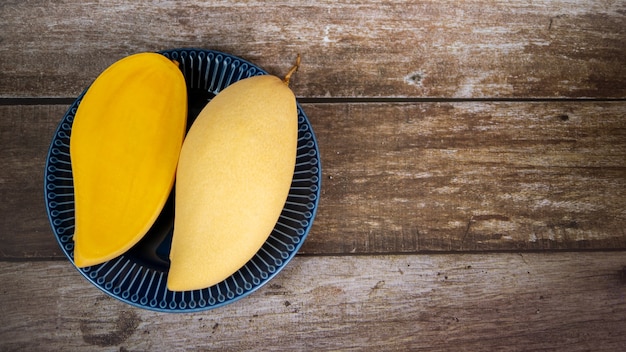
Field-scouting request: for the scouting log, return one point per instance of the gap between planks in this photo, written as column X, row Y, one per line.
column 352, row 100
column 378, row 255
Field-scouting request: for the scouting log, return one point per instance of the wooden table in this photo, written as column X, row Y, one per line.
column 474, row 174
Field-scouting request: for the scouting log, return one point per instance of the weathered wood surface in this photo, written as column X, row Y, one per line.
column 491, row 131
column 407, row 177
column 486, row 302
column 462, row 49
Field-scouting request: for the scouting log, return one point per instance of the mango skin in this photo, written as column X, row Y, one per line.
column 234, row 175
column 124, row 147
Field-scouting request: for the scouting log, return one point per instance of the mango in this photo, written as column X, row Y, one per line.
column 234, row 175
column 126, row 137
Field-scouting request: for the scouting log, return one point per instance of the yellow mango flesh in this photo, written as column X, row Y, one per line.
column 234, row 175
column 124, row 147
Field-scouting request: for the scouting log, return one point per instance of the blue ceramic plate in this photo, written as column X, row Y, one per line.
column 139, row 276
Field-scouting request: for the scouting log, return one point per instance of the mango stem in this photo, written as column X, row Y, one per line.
column 293, row 69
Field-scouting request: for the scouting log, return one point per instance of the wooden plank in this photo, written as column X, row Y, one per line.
column 485, row 302
column 437, row 49
column 470, row 176
column 407, row 177
column 25, row 135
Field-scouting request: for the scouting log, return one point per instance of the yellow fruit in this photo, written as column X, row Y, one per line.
column 234, row 174
column 124, row 147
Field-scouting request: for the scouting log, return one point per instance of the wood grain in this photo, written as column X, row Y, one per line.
column 25, row 132
column 442, row 49
column 469, row 176
column 530, row 302
column 473, row 162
